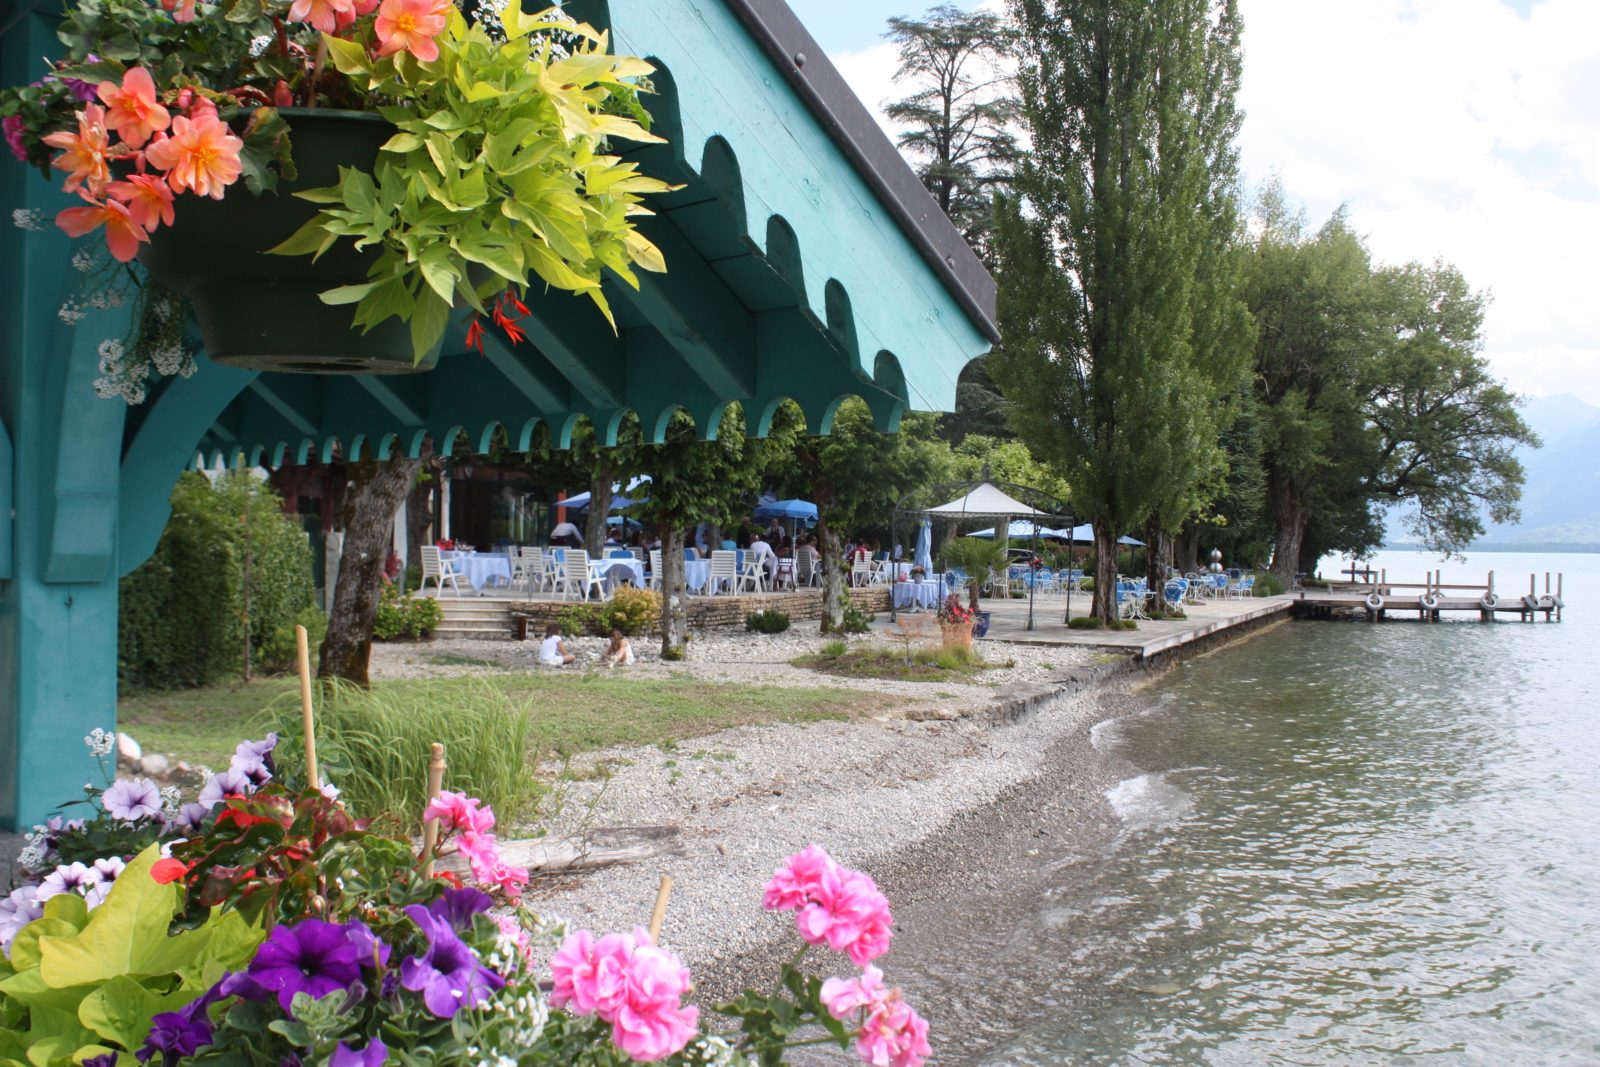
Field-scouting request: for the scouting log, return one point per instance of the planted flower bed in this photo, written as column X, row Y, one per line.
column 263, row 923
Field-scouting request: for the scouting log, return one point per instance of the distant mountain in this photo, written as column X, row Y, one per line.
column 1561, row 497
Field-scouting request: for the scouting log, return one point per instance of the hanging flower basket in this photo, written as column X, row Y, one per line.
column 261, row 311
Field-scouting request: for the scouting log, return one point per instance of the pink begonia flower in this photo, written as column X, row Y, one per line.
column 457, row 811
column 134, row 112
column 833, row 905
column 628, row 982
column 322, row 14
column 411, row 25
column 148, row 199
column 891, row 1033
column 201, row 155
column 123, row 235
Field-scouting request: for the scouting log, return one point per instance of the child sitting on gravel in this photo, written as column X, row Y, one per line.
column 619, row 653
column 552, row 650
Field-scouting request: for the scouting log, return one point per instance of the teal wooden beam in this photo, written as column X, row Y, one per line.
column 387, row 390
column 7, row 495
column 281, row 393
column 526, row 374
column 575, row 340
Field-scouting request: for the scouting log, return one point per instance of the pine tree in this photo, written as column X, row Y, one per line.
column 1122, row 334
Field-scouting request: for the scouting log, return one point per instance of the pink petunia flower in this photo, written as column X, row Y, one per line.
column 833, row 905
column 411, row 26
column 134, row 111
column 201, row 155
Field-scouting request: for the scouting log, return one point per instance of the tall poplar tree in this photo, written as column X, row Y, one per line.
column 1122, row 334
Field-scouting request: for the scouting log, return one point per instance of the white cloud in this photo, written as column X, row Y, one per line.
column 1453, row 129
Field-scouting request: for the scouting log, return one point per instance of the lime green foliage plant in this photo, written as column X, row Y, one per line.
column 979, row 557
column 497, row 174
column 80, row 984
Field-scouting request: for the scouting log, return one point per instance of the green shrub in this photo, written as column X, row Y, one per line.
column 767, row 622
column 1088, row 622
column 853, row 620
column 1086, row 584
column 633, row 611
column 1267, row 584
column 280, row 654
column 405, row 616
column 834, row 649
column 181, row 613
column 374, row 745
column 580, row 620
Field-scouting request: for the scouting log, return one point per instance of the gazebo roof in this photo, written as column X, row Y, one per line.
column 984, row 502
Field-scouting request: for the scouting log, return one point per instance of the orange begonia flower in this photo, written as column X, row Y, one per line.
column 201, row 156
column 135, row 112
column 83, row 154
column 123, row 235
column 322, row 14
column 411, row 25
column 148, row 199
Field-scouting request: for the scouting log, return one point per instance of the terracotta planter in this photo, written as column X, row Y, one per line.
column 956, row 634
column 260, row 311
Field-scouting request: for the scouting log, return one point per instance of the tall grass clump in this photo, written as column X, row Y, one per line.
column 375, row 744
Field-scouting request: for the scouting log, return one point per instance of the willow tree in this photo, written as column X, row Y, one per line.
column 1122, row 333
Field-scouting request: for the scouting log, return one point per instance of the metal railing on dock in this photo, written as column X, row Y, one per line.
column 1432, row 597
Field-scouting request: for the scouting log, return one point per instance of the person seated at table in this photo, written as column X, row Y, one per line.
column 552, row 650
column 764, row 556
column 611, row 539
column 566, row 535
column 774, row 531
column 618, row 653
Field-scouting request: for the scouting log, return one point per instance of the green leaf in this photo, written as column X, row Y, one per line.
column 126, row 934
column 25, row 947
column 428, row 321
column 402, row 142
column 350, row 57
column 120, row 1010
column 310, row 239
column 347, row 294
column 438, row 271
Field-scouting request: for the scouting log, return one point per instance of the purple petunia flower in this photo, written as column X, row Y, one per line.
column 371, row 1056
column 176, row 1035
column 312, row 957
column 17, row 910
column 226, row 784
column 448, row 975
column 132, row 799
column 371, row 951
column 107, row 1060
column 68, row 878
column 458, row 906
column 191, row 815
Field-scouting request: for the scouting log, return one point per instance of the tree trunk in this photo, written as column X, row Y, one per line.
column 375, row 492
column 1157, row 554
column 594, row 523
column 833, row 589
column 674, row 593
column 419, row 512
column 1105, row 572
column 1290, row 516
column 1189, row 551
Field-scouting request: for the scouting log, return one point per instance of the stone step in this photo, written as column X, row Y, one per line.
column 476, row 633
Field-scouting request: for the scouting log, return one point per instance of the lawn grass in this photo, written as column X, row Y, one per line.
column 919, row 665
column 572, row 713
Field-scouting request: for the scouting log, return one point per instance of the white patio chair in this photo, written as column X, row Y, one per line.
column 529, row 569
column 751, row 572
column 805, row 568
column 439, row 570
column 861, row 573
column 636, row 552
column 653, row 579
column 576, row 577
column 724, row 572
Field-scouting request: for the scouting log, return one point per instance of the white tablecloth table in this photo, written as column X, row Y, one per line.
column 612, row 571
column 697, row 574
column 481, row 570
column 916, row 594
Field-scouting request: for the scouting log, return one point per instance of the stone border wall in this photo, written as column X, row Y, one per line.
column 708, row 612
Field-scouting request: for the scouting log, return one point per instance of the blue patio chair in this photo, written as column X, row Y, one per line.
column 1175, row 592
column 619, row 553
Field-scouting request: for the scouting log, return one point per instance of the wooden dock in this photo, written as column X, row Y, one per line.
column 1431, row 599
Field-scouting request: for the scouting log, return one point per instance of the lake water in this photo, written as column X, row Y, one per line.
column 1344, row 843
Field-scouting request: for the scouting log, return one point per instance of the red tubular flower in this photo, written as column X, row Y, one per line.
column 475, row 334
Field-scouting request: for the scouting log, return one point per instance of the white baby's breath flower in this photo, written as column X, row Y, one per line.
column 28, row 218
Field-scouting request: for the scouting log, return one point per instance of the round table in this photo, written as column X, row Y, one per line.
column 481, row 570
column 697, row 574
column 617, row 569
column 916, row 595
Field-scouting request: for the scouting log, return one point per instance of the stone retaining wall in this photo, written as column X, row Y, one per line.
column 706, row 612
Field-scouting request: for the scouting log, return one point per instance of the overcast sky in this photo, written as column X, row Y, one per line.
column 1467, row 130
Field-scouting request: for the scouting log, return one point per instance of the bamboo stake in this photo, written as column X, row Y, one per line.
column 658, row 914
column 313, row 779
column 430, row 829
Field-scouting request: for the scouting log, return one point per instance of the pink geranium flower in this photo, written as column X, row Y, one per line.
column 84, row 154
column 123, row 235
column 134, row 111
column 630, row 983
column 182, row 10
column 891, row 1033
column 833, row 905
column 411, row 25
column 148, row 200
column 201, row 156
column 457, row 811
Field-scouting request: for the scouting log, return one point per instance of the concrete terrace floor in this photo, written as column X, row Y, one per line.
column 1009, row 620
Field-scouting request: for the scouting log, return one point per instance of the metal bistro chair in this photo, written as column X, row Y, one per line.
column 577, row 578
column 439, row 570
column 724, row 572
column 1175, row 592
column 1245, row 588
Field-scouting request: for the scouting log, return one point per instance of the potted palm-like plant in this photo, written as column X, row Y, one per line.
column 979, row 558
column 388, row 154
